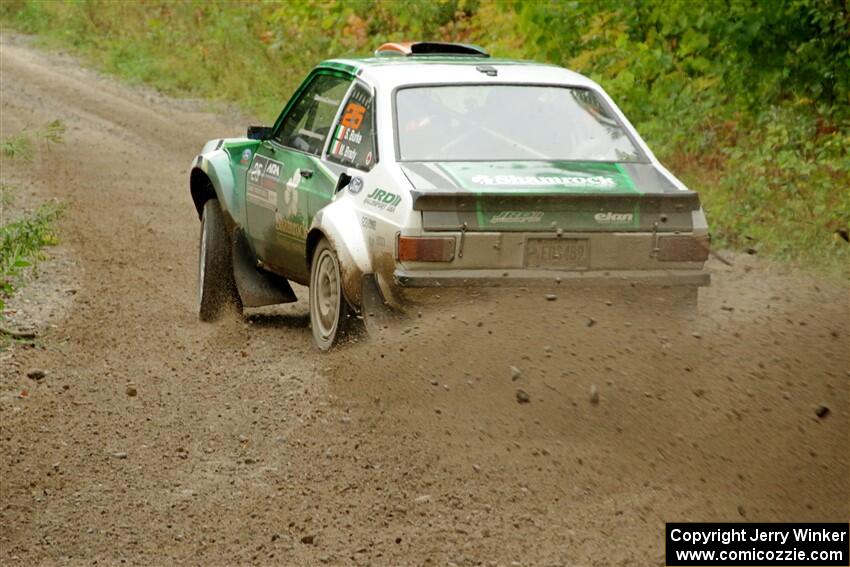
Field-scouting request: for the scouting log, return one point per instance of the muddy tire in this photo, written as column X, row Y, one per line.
column 216, row 287
column 331, row 317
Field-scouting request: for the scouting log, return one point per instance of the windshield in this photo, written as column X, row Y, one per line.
column 508, row 122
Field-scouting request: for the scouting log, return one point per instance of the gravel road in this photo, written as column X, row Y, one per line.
column 509, row 430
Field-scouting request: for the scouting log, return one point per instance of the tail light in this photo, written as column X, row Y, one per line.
column 680, row 248
column 426, row 249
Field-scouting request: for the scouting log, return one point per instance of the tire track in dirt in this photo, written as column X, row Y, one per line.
column 243, row 445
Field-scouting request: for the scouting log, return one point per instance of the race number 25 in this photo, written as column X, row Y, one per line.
column 353, row 115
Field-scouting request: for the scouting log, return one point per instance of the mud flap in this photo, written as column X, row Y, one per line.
column 377, row 315
column 256, row 287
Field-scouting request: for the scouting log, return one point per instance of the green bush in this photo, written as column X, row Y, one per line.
column 21, row 242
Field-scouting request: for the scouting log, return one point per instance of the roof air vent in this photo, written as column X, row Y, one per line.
column 407, row 49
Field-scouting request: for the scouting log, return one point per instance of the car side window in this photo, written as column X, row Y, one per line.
column 353, row 140
column 306, row 126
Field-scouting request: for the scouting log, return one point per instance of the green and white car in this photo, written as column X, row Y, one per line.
column 431, row 166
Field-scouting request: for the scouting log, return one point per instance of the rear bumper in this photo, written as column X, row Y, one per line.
column 524, row 277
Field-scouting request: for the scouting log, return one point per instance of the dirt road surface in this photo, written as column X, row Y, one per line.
column 154, row 439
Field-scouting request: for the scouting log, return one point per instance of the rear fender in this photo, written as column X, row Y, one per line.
column 340, row 224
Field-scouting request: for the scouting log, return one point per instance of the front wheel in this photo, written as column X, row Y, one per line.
column 216, row 286
column 330, row 315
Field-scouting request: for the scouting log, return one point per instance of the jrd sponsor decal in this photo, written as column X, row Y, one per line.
column 381, row 199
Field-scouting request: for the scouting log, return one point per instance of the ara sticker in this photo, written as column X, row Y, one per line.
column 355, row 185
column 265, row 172
column 246, row 157
column 264, row 179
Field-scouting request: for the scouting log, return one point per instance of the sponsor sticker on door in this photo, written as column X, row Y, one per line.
column 264, row 179
column 383, row 200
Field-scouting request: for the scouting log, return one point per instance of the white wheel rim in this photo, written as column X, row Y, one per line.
column 326, row 294
column 202, row 263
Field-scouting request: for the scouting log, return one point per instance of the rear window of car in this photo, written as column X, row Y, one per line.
column 509, row 122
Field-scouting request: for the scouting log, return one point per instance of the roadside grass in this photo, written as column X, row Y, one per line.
column 21, row 243
column 53, row 132
column 7, row 196
column 23, row 237
column 17, row 146
column 20, row 145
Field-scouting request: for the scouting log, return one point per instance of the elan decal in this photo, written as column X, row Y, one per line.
column 613, row 218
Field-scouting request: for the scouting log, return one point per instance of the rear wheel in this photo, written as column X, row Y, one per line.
column 330, row 315
column 216, row 286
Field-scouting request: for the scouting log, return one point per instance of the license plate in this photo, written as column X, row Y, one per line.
column 564, row 253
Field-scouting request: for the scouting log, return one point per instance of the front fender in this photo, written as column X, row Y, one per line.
column 215, row 165
column 340, row 224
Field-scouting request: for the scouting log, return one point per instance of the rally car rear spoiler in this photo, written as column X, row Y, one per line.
column 678, row 202
column 610, row 212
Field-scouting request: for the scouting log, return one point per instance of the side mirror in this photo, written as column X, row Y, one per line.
column 342, row 182
column 259, row 132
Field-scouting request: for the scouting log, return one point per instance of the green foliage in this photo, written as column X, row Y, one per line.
column 53, row 132
column 22, row 239
column 20, row 243
column 7, row 196
column 17, row 146
column 747, row 100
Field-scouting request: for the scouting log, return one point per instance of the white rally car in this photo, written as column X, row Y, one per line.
column 429, row 166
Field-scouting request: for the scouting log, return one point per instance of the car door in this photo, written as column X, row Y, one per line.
column 286, row 180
